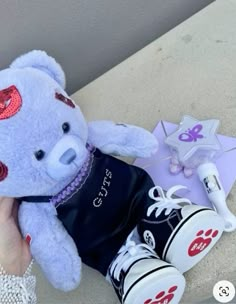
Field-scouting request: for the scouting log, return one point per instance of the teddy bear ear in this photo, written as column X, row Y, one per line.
column 40, row 60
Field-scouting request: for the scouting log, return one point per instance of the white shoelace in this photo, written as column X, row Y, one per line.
column 166, row 201
column 129, row 253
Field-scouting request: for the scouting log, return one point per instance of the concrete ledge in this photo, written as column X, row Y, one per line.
column 190, row 70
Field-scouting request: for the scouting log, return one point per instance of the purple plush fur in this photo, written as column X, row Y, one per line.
column 38, row 125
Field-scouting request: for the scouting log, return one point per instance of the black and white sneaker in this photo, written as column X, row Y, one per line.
column 140, row 277
column 181, row 235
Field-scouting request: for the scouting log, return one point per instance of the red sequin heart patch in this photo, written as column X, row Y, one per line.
column 10, row 102
column 64, row 99
column 3, row 171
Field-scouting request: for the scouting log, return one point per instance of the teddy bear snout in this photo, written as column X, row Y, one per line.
column 68, row 156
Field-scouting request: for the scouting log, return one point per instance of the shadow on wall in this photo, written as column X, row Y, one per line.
column 87, row 37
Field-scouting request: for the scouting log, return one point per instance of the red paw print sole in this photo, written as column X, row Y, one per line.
column 163, row 297
column 202, row 241
column 194, row 239
column 163, row 286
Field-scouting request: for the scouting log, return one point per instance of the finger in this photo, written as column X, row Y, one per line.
column 15, row 209
column 6, row 205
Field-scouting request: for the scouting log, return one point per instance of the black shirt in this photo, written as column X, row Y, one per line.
column 104, row 208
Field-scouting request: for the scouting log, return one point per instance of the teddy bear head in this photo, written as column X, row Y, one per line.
column 43, row 134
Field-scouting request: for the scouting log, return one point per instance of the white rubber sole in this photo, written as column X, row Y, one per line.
column 162, row 286
column 192, row 239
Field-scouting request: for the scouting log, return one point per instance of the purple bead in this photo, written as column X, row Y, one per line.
column 63, row 195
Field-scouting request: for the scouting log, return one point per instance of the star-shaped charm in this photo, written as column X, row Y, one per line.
column 194, row 141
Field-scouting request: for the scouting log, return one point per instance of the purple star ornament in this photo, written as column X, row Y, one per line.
column 194, row 142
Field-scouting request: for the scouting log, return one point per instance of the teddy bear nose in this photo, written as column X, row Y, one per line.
column 68, row 156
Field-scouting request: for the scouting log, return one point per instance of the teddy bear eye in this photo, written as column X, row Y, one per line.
column 39, row 154
column 66, row 127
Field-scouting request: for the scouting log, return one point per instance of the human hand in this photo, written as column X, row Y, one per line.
column 15, row 255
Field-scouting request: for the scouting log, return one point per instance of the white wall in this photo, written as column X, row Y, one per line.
column 88, row 37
